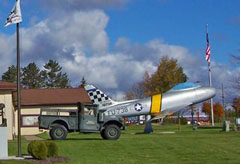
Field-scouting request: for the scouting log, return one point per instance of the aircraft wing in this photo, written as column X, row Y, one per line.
column 168, row 112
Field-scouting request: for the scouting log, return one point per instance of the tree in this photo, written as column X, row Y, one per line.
column 54, row 78
column 206, row 107
column 218, row 110
column 137, row 91
column 236, row 106
column 10, row 75
column 83, row 83
column 32, row 77
column 168, row 74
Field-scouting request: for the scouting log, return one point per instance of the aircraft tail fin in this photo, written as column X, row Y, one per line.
column 98, row 97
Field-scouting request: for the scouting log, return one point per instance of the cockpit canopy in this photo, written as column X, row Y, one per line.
column 184, row 86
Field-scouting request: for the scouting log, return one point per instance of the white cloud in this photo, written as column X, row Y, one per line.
column 7, row 55
column 84, row 30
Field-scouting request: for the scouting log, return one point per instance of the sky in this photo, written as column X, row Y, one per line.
column 113, row 42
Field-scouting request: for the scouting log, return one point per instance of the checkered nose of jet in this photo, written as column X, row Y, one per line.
column 97, row 96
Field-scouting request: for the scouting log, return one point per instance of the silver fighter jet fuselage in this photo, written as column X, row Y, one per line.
column 164, row 104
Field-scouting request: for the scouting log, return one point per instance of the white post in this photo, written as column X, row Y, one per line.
column 3, row 143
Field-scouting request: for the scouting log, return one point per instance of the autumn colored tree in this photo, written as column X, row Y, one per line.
column 218, row 110
column 168, row 74
column 236, row 106
column 206, row 107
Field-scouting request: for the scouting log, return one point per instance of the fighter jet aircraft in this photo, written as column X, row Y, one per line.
column 179, row 97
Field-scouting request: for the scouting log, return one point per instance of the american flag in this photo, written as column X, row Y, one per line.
column 208, row 50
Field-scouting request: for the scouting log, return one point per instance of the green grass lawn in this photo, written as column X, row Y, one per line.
column 204, row 145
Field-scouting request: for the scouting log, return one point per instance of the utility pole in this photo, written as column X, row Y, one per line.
column 223, row 103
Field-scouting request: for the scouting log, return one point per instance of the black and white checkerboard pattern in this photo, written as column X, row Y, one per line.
column 97, row 96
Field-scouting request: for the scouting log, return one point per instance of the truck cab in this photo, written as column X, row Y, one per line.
column 87, row 119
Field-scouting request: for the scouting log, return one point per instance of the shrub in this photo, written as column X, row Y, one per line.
column 52, row 149
column 30, row 146
column 38, row 149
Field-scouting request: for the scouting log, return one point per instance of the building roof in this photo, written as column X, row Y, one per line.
column 56, row 96
column 6, row 85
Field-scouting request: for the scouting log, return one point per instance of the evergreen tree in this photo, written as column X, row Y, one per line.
column 10, row 75
column 83, row 83
column 54, row 78
column 32, row 76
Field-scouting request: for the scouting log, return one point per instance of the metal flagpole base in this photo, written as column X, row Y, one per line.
column 148, row 127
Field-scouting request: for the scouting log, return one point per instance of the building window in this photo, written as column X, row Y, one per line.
column 30, row 121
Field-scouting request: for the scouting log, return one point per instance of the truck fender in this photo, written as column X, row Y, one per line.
column 119, row 124
column 60, row 122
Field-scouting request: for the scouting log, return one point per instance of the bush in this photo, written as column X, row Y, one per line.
column 30, row 146
column 52, row 149
column 41, row 150
column 38, row 149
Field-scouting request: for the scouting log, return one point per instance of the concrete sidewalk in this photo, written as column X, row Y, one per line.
column 12, row 158
column 33, row 138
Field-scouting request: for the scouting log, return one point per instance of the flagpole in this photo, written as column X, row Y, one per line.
column 210, row 83
column 18, row 93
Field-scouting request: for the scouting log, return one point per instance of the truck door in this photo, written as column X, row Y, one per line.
column 88, row 119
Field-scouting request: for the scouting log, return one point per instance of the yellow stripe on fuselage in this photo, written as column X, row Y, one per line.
column 156, row 104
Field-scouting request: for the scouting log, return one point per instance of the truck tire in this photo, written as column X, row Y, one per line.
column 102, row 134
column 58, row 132
column 112, row 132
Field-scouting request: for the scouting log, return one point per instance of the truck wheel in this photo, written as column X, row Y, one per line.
column 58, row 132
column 112, row 132
column 102, row 134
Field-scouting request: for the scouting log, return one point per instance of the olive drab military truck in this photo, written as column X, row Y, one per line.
column 87, row 119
